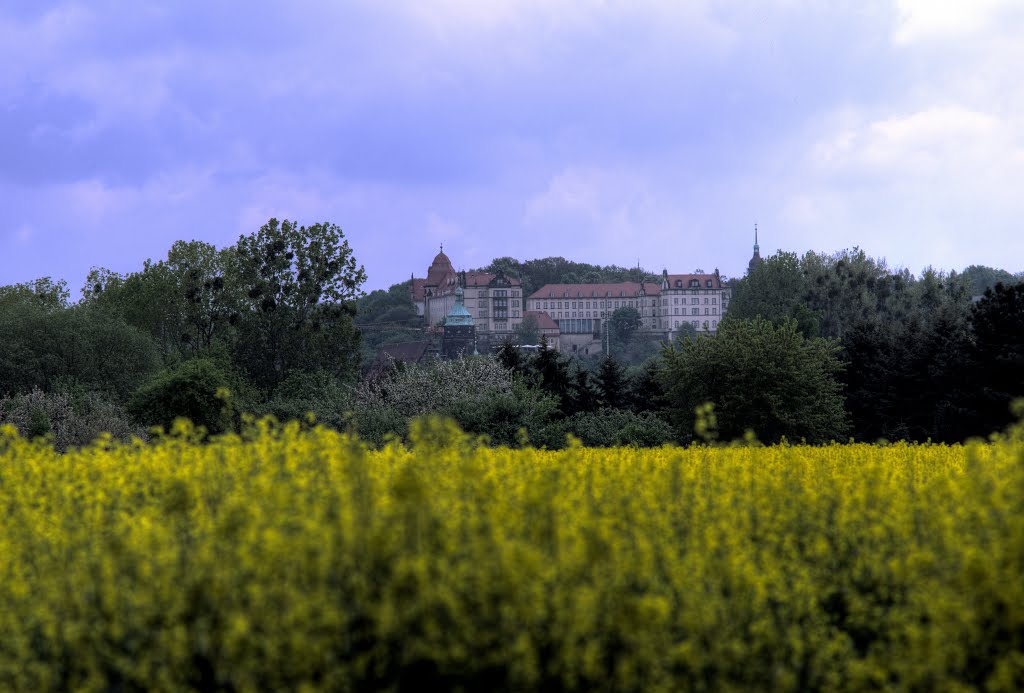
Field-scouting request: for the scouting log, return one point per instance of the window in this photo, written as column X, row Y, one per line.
column 677, row 323
column 696, row 311
column 675, row 300
column 705, row 299
column 714, row 300
column 706, row 311
column 694, row 301
column 708, row 283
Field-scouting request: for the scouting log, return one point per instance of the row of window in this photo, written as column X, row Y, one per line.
column 696, row 311
column 576, row 326
column 696, row 324
column 694, row 301
column 556, row 305
column 694, row 283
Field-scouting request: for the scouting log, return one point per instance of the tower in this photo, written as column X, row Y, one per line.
column 756, row 259
column 459, row 329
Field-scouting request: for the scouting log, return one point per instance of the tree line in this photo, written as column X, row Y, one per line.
column 815, row 347
column 264, row 326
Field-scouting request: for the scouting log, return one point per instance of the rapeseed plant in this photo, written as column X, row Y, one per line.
column 294, row 558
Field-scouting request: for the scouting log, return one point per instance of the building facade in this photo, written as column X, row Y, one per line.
column 700, row 300
column 494, row 301
column 574, row 316
column 680, row 300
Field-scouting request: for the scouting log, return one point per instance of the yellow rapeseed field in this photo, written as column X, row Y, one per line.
column 295, row 559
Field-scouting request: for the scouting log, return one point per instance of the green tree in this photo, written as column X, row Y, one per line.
column 775, row 290
column 528, row 330
column 645, row 386
column 196, row 390
column 186, row 302
column 299, row 285
column 997, row 357
column 552, row 374
column 43, row 293
column 980, row 278
column 45, row 346
column 482, row 395
column 759, row 376
column 623, row 326
column 611, row 383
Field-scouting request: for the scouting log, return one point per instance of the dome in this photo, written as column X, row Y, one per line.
column 441, row 261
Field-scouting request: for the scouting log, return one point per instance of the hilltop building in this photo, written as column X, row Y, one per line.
column 573, row 317
column 581, row 310
column 494, row 301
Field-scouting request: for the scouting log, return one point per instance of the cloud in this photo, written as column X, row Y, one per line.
column 929, row 20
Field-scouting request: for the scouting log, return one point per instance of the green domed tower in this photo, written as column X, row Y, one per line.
column 459, row 329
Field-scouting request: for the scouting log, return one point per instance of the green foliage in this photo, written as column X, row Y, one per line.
column 996, row 368
column 68, row 419
column 775, row 291
column 393, row 306
column 759, row 376
column 302, row 393
column 486, row 398
column 609, row 427
column 623, row 326
column 509, row 419
column 43, row 293
column 197, row 390
column 611, row 383
column 528, row 330
column 299, row 286
column 645, row 387
column 44, row 345
column 979, row 278
column 557, row 270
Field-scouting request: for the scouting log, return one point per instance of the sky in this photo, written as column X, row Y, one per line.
column 604, row 131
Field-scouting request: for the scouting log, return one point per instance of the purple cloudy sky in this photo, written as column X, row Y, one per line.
column 606, row 132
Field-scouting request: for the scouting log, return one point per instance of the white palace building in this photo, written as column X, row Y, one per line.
column 572, row 316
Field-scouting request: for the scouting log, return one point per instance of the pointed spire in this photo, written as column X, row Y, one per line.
column 755, row 260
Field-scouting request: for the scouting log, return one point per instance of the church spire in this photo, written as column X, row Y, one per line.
column 755, row 260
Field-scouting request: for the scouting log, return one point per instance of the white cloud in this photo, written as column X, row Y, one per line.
column 942, row 139
column 611, row 201
column 923, row 20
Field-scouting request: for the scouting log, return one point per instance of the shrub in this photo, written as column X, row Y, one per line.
column 67, row 420
column 193, row 390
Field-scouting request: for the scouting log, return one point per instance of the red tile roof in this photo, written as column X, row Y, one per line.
column 479, row 279
column 417, row 289
column 544, row 320
column 618, row 290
